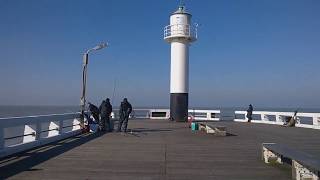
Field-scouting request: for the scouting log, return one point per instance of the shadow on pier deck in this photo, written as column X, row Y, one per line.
column 158, row 149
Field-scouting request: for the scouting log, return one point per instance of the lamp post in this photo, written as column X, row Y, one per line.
column 84, row 78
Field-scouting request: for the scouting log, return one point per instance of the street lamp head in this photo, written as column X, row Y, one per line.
column 100, row 46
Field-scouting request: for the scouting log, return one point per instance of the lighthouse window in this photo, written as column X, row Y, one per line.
column 179, row 20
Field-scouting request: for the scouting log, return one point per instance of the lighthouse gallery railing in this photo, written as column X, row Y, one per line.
column 182, row 30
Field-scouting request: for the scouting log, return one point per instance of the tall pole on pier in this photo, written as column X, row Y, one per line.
column 180, row 33
column 84, row 79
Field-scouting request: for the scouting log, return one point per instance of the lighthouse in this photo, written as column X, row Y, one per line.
column 180, row 33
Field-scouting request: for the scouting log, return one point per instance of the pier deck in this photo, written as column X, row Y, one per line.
column 158, row 149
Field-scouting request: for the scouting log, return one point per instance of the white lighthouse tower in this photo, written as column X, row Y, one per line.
column 180, row 33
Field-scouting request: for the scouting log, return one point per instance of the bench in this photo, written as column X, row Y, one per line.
column 304, row 166
column 210, row 128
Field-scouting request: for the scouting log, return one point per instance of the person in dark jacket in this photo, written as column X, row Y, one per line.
column 124, row 112
column 249, row 113
column 108, row 111
column 103, row 116
column 94, row 111
column 120, row 117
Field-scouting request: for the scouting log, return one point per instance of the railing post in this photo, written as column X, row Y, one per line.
column 263, row 118
column 38, row 130
column 278, row 119
column 316, row 120
column 208, row 115
column 60, row 127
column 1, row 138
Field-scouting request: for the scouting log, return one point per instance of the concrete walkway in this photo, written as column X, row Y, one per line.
column 158, row 149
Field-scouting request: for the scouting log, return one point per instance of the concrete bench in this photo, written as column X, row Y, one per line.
column 304, row 166
column 210, row 128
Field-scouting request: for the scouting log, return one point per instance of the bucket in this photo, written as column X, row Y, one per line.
column 194, row 126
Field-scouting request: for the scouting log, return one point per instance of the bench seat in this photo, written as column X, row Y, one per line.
column 304, row 166
column 211, row 128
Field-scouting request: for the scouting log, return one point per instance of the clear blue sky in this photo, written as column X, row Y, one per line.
column 264, row 52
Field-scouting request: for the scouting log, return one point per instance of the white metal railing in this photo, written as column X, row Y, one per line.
column 209, row 115
column 180, row 30
column 144, row 114
column 22, row 133
column 279, row 118
column 136, row 114
column 159, row 113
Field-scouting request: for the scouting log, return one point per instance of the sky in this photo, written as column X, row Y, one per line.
column 264, row 52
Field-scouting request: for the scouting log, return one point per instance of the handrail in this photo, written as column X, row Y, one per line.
column 21, row 133
column 14, row 137
column 210, row 115
column 279, row 117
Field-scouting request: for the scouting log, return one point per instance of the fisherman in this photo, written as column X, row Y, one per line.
column 124, row 112
column 92, row 124
column 249, row 113
column 94, row 111
column 103, row 116
column 120, row 117
column 109, row 111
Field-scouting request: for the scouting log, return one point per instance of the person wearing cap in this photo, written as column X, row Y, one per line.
column 249, row 113
column 94, row 111
column 108, row 114
column 124, row 112
column 103, row 116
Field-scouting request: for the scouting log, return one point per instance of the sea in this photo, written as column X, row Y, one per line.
column 19, row 111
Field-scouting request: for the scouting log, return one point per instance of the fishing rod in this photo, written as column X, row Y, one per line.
column 114, row 90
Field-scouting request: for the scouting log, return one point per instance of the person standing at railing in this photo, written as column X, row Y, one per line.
column 124, row 112
column 108, row 111
column 249, row 113
column 103, row 116
column 120, row 117
column 94, row 111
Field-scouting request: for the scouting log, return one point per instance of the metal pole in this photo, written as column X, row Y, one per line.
column 84, row 80
column 84, row 84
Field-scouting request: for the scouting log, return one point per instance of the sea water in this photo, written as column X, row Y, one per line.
column 18, row 111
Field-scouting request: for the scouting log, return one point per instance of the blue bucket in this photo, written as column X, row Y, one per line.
column 194, row 126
